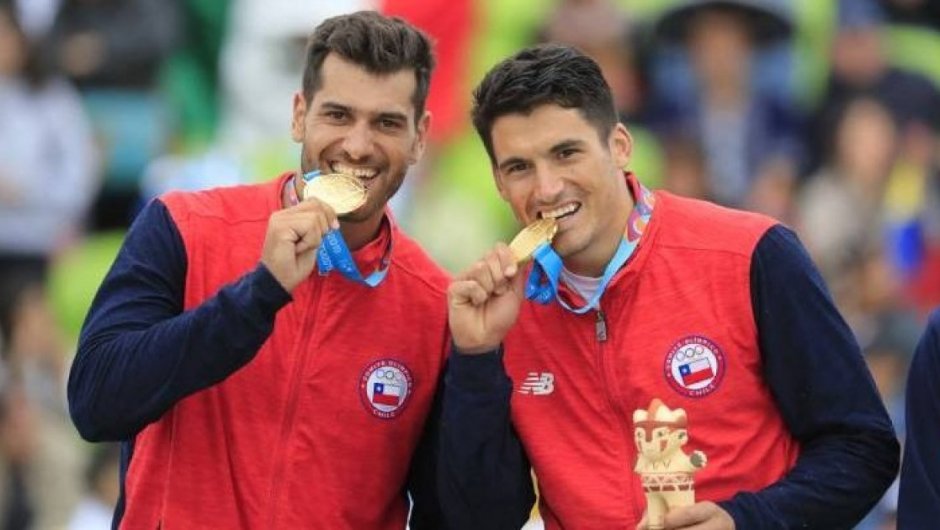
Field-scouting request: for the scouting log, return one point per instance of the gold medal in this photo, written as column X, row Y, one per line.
column 531, row 237
column 344, row 193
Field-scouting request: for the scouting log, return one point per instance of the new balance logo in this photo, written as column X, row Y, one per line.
column 538, row 384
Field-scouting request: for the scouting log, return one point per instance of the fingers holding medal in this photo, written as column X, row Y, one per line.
column 484, row 301
column 494, row 273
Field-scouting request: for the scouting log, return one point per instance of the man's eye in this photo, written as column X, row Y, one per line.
column 390, row 124
column 335, row 115
column 567, row 153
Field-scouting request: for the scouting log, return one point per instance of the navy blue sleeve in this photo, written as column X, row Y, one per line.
column 919, row 501
column 484, row 477
column 825, row 394
column 422, row 475
column 139, row 352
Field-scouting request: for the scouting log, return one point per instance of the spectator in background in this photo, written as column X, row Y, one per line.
column 18, row 439
column 919, row 501
column 887, row 331
column 47, row 160
column 47, row 180
column 860, row 68
column 114, row 51
column 746, row 135
column 40, row 454
column 912, row 216
column 841, row 207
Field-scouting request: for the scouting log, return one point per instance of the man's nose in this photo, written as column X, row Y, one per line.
column 358, row 141
column 548, row 185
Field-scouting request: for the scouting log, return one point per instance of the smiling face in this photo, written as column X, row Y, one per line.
column 551, row 162
column 362, row 124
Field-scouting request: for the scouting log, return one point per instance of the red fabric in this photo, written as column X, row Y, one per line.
column 450, row 24
column 679, row 287
column 289, row 441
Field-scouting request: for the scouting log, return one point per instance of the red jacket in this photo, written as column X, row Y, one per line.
column 679, row 291
column 317, row 429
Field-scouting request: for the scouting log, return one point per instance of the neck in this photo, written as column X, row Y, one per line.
column 359, row 233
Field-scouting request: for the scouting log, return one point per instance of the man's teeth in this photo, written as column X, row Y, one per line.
column 360, row 172
column 561, row 211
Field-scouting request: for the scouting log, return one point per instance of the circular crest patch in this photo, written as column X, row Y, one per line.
column 385, row 387
column 695, row 366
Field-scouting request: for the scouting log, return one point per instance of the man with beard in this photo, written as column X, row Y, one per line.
column 251, row 349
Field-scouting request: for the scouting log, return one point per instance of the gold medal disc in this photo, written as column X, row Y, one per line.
column 531, row 237
column 344, row 193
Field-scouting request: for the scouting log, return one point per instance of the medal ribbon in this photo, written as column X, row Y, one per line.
column 334, row 253
column 542, row 284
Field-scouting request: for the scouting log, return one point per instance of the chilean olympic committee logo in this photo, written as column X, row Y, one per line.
column 385, row 387
column 695, row 366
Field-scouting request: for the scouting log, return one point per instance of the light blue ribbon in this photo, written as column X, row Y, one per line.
column 542, row 284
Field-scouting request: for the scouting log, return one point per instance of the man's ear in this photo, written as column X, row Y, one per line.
column 298, row 120
column 621, row 145
column 421, row 138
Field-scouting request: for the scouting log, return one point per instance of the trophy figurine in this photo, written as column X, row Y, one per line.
column 664, row 468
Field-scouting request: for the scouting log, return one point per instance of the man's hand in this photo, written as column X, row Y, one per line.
column 700, row 516
column 293, row 237
column 484, row 301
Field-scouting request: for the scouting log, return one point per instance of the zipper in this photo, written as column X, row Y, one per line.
column 626, row 427
column 600, row 326
column 301, row 353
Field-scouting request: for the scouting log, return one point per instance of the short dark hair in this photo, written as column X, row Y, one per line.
column 539, row 75
column 377, row 43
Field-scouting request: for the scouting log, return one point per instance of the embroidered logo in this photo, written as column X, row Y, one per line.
column 385, row 387
column 538, row 384
column 695, row 366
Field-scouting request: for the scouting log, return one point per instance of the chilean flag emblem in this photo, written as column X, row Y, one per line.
column 694, row 366
column 386, row 394
column 696, row 371
column 384, row 387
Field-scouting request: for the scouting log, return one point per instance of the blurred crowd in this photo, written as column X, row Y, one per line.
column 823, row 114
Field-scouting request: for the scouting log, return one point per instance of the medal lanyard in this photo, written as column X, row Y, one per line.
column 334, row 253
column 542, row 284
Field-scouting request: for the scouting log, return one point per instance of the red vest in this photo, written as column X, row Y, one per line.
column 318, row 430
column 679, row 327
